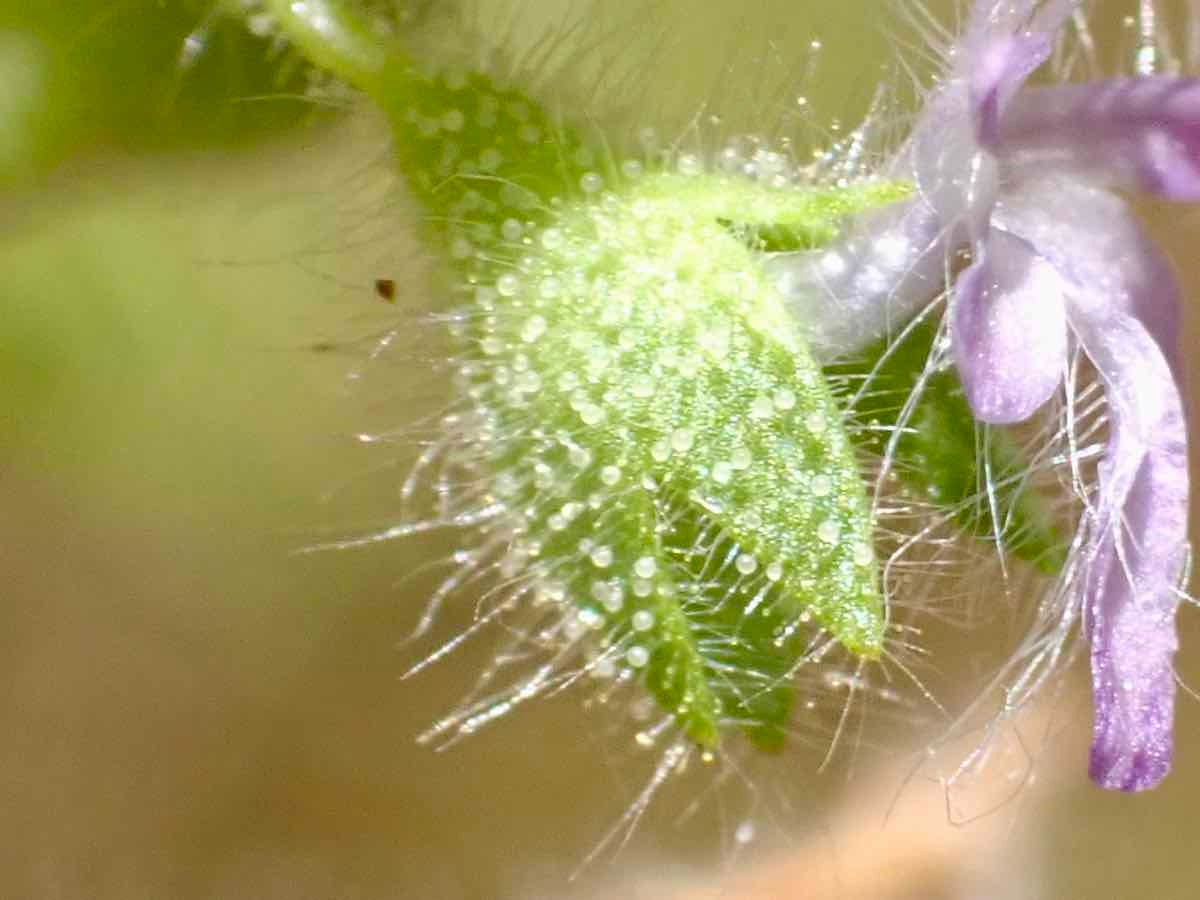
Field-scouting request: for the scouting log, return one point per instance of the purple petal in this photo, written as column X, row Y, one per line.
column 1009, row 330
column 991, row 17
column 867, row 285
column 954, row 177
column 999, row 67
column 1121, row 301
column 1090, row 237
column 1133, row 133
column 1136, row 554
column 1020, row 173
column 949, row 154
column 1005, row 42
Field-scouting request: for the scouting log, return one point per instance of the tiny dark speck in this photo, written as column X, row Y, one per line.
column 385, row 288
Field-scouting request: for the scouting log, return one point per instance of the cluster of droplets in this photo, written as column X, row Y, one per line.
column 620, row 341
column 670, row 476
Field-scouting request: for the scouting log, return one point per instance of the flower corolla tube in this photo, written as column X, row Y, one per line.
column 1025, row 180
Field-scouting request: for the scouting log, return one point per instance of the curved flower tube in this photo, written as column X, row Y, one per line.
column 1022, row 177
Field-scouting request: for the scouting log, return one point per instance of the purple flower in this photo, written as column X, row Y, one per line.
column 1024, row 178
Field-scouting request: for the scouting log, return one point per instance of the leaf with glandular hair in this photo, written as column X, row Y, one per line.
column 663, row 459
column 662, row 432
column 661, row 441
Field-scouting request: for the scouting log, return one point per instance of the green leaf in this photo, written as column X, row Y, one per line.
column 945, row 457
column 668, row 454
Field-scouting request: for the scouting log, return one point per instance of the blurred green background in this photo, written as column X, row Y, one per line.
column 191, row 708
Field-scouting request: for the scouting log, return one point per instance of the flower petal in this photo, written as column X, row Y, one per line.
column 1005, row 42
column 1122, row 301
column 1133, row 133
column 1009, row 330
column 990, row 17
column 1091, row 237
column 950, row 154
column 1138, row 545
column 999, row 67
column 850, row 294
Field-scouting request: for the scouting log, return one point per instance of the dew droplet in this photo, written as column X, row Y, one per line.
column 643, row 620
column 689, row 164
column 637, row 656
column 534, row 328
column 505, row 484
column 507, row 285
column 681, row 440
column 828, row 531
column 511, row 230
column 762, row 408
column 741, row 459
column 490, row 159
column 575, row 627
column 645, row 567
column 591, row 414
column 610, row 475
column 642, row 387
column 614, row 600
column 744, row 833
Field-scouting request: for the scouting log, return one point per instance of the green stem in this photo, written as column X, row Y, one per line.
column 334, row 38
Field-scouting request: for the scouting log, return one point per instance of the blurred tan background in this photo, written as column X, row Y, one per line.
column 192, row 709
